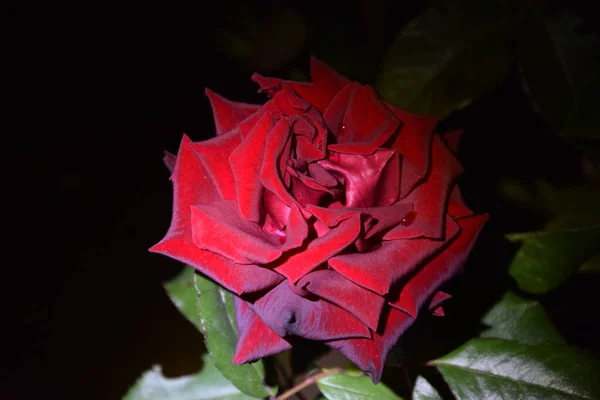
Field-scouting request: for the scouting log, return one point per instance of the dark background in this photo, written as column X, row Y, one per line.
column 93, row 95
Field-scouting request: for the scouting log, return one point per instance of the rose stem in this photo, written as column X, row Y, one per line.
column 307, row 382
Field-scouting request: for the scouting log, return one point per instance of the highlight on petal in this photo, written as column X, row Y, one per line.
column 255, row 339
column 331, row 286
column 447, row 263
column 228, row 113
column 430, row 198
column 287, row 313
column 379, row 269
column 370, row 354
column 218, row 227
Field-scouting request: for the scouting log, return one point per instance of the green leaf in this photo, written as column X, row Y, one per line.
column 582, row 122
column 210, row 307
column 591, row 266
column 424, row 391
column 444, row 59
column 557, row 60
column 208, row 384
column 547, row 258
column 522, row 320
column 354, row 387
column 493, row 368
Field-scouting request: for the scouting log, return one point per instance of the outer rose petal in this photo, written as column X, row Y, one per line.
column 414, row 143
column 379, row 269
column 331, row 286
column 169, row 159
column 228, row 113
column 287, row 313
column 213, row 152
column 246, row 162
column 430, row 199
column 442, row 267
column 218, row 227
column 452, row 139
column 369, row 354
column 255, row 339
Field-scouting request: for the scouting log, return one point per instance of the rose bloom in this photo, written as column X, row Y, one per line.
column 330, row 214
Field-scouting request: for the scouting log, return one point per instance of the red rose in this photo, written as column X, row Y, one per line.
column 328, row 212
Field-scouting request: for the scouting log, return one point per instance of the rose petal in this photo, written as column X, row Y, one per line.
column 370, row 354
column 169, row 159
column 255, row 339
column 319, row 250
column 331, row 286
column 287, row 313
column 456, row 205
column 414, row 143
column 246, row 162
column 215, row 154
column 379, row 269
column 326, row 83
column 430, row 199
column 362, row 173
column 452, row 139
column 218, row 227
column 442, row 267
column 228, row 113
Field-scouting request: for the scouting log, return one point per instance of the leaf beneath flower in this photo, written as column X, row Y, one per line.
column 208, row 384
column 424, row 391
column 352, row 387
column 493, row 368
column 521, row 320
column 210, row 308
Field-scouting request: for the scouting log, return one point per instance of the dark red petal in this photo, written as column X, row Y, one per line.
column 438, row 298
column 362, row 173
column 452, row 139
column 218, row 227
column 331, row 286
column 370, row 354
column 215, row 154
column 388, row 188
column 255, row 339
column 228, row 113
column 320, row 249
column 442, row 267
column 381, row 218
column 246, row 162
column 379, row 269
column 287, row 313
column 430, row 199
column 439, row 312
column 414, row 143
column 237, row 278
column 456, row 206
column 169, row 159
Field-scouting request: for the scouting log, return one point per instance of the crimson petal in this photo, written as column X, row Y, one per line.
column 370, row 354
column 414, row 143
column 379, row 269
column 246, row 162
column 228, row 113
column 441, row 268
column 255, row 339
column 452, row 139
column 319, row 250
column 218, row 227
column 215, row 154
column 431, row 197
column 331, row 286
column 287, row 313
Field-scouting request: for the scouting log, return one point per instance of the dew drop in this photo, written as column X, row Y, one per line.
column 409, row 219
